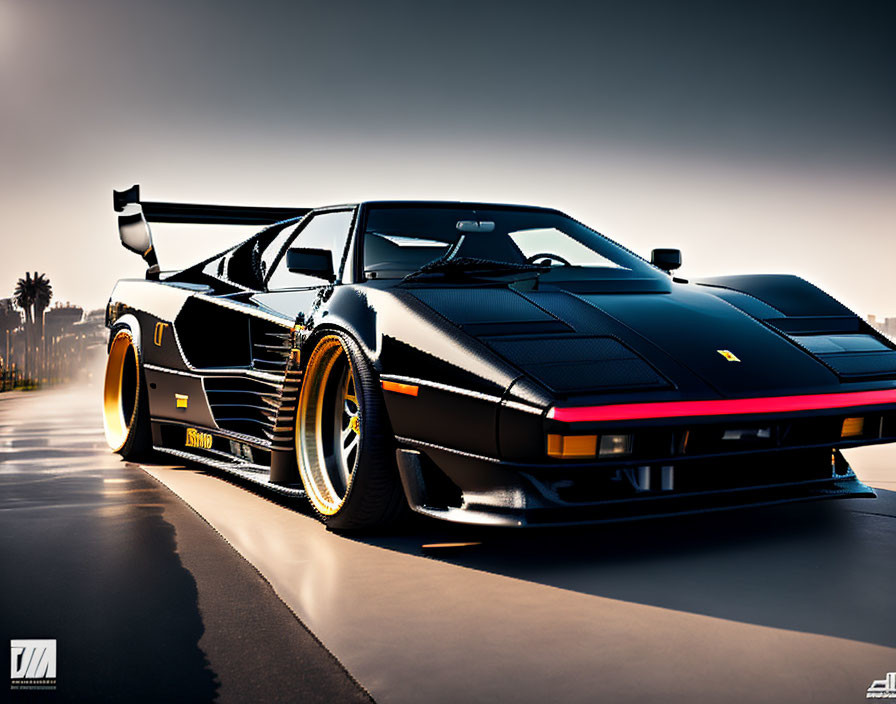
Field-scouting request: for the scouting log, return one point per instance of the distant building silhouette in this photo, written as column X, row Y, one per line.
column 60, row 319
column 70, row 344
column 886, row 326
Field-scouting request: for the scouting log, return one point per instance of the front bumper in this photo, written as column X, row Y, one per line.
column 469, row 489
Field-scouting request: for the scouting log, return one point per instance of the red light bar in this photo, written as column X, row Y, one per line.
column 727, row 407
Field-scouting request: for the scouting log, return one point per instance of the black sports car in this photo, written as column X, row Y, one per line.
column 485, row 363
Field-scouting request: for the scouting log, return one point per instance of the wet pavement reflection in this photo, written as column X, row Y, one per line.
column 146, row 602
column 89, row 559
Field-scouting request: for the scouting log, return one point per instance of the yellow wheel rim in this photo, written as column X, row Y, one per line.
column 328, row 426
column 120, row 390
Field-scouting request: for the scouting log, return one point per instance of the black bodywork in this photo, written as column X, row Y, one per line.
column 477, row 373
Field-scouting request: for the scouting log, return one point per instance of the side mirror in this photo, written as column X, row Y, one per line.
column 311, row 262
column 666, row 259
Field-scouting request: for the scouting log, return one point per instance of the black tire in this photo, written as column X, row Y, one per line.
column 125, row 404
column 350, row 489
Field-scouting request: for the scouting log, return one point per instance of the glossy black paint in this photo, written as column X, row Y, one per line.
column 489, row 360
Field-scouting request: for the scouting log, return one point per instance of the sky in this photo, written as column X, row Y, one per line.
column 758, row 137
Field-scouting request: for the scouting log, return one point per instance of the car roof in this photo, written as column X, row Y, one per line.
column 474, row 205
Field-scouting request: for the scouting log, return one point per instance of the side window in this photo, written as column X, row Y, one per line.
column 324, row 231
column 272, row 251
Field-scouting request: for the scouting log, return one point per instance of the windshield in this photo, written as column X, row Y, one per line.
column 399, row 241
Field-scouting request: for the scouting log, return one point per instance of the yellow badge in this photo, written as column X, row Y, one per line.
column 181, row 400
column 729, row 355
column 197, row 439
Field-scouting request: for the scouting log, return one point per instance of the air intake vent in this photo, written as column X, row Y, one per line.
column 243, row 405
column 851, row 356
column 815, row 325
column 213, row 336
column 270, row 345
column 861, row 365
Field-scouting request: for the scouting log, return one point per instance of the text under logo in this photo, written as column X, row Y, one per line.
column 883, row 689
column 32, row 664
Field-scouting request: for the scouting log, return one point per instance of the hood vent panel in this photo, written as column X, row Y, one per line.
column 851, row 356
column 469, row 306
column 578, row 364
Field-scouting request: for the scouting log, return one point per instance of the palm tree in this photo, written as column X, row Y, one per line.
column 33, row 295
column 24, row 298
column 43, row 294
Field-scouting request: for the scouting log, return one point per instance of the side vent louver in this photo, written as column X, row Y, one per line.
column 270, row 346
column 245, row 406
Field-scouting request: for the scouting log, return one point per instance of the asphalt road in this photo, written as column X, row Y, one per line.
column 146, row 602
column 168, row 583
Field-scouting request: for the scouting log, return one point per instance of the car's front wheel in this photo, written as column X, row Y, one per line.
column 344, row 445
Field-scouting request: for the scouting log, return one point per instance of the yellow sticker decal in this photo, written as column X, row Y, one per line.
column 198, row 439
column 159, row 331
column 181, row 400
column 729, row 355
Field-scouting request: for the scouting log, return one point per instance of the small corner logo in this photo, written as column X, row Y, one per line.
column 32, row 664
column 883, row 689
column 729, row 355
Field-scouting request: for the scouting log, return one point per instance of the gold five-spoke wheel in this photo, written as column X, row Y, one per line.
column 328, row 431
column 344, row 443
column 349, row 424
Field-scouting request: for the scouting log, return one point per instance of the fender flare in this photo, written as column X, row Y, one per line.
column 129, row 321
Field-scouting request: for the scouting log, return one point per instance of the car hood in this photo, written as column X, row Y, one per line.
column 684, row 338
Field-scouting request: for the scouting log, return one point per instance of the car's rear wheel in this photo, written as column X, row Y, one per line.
column 344, row 444
column 125, row 408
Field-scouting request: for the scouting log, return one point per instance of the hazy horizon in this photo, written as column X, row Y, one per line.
column 756, row 137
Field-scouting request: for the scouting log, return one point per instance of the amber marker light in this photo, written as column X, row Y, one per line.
column 852, row 427
column 407, row 389
column 572, row 446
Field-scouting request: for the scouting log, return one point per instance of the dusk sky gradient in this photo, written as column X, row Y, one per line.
column 759, row 137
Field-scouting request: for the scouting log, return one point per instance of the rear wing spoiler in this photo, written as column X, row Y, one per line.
column 135, row 216
column 198, row 214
